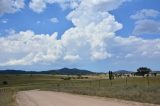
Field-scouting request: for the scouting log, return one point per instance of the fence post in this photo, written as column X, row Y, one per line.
column 90, row 84
column 111, row 76
column 148, row 80
column 111, row 82
column 126, row 81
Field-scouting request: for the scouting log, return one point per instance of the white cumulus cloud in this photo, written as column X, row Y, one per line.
column 39, row 5
column 145, row 13
column 71, row 57
column 11, row 6
column 145, row 24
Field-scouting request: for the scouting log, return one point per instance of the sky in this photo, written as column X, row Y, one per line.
column 97, row 35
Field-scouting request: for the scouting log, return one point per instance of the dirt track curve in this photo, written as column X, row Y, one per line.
column 48, row 98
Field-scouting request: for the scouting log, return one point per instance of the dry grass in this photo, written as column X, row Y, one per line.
column 7, row 97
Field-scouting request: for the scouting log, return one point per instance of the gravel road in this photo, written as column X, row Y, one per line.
column 49, row 98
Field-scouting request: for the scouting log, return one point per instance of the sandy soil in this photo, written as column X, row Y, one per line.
column 48, row 98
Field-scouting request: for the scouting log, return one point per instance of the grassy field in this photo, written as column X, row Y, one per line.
column 133, row 88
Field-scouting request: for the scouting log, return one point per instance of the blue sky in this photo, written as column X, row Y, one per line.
column 123, row 13
column 95, row 35
column 39, row 23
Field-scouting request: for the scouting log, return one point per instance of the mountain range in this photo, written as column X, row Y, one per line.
column 63, row 71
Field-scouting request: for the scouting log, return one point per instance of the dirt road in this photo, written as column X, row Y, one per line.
column 48, row 98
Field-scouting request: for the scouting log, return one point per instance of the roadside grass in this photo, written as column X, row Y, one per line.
column 133, row 88
column 7, row 97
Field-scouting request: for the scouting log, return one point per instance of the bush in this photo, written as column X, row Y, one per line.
column 5, row 83
column 67, row 78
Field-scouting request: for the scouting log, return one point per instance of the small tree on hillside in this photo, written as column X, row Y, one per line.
column 143, row 70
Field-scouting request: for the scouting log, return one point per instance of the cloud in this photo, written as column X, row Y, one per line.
column 54, row 20
column 145, row 13
column 135, row 48
column 71, row 57
column 25, row 48
column 4, row 21
column 28, row 48
column 89, row 35
column 147, row 26
column 11, row 6
column 144, row 24
column 10, row 31
column 103, row 5
column 38, row 6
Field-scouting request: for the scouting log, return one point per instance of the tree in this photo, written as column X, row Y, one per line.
column 143, row 70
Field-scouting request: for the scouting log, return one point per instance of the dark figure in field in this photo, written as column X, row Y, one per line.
column 154, row 74
column 117, row 75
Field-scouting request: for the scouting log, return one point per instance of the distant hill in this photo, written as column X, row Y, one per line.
column 123, row 72
column 63, row 71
